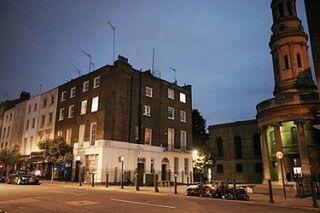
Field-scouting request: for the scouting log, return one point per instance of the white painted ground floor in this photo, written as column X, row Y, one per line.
column 103, row 158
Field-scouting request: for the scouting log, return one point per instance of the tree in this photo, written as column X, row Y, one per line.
column 204, row 159
column 200, row 137
column 9, row 157
column 56, row 151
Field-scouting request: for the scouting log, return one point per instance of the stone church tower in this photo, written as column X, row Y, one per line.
column 286, row 122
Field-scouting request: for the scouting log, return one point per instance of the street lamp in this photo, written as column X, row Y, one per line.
column 195, row 154
column 121, row 159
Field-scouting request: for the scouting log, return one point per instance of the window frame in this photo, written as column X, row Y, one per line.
column 149, row 92
column 147, row 110
column 85, row 86
column 171, row 93
column 84, row 106
column 96, row 82
column 183, row 116
column 73, row 92
column 95, row 104
column 172, row 109
column 183, row 97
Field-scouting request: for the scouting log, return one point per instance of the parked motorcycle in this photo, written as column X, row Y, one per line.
column 200, row 190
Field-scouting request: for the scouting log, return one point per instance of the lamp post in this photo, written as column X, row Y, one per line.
column 121, row 159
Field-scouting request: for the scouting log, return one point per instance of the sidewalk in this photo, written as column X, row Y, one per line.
column 259, row 197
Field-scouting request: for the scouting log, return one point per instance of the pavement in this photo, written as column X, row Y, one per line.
column 259, row 197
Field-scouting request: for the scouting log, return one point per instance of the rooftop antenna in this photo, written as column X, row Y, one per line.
column 78, row 71
column 114, row 39
column 90, row 59
column 153, row 53
column 175, row 77
column 40, row 89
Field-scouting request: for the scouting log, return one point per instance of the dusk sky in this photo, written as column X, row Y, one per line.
column 220, row 47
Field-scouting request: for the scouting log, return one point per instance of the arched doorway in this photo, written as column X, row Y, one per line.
column 165, row 175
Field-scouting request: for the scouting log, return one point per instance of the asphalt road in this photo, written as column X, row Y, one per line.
column 59, row 198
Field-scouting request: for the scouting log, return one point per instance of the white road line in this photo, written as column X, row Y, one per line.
column 140, row 203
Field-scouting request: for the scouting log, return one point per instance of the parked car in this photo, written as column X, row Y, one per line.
column 22, row 177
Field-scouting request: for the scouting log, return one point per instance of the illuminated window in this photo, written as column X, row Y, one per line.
column 171, row 113
column 183, row 139
column 63, row 95
column 83, row 107
column 81, row 134
column 93, row 134
column 95, row 104
column 85, row 86
column 182, row 97
column 147, row 136
column 171, row 93
column 146, row 110
column 69, row 136
column 59, row 133
column 61, row 114
column 96, row 82
column 176, row 166
column 183, row 116
column 170, row 139
column 71, row 111
column 73, row 92
column 148, row 91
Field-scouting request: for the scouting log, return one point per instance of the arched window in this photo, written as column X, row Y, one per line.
column 289, row 7
column 238, row 147
column 286, row 62
column 294, row 135
column 299, row 60
column 219, row 142
column 281, row 12
column 256, row 145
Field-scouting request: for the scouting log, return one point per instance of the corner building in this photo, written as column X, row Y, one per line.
column 287, row 120
column 119, row 111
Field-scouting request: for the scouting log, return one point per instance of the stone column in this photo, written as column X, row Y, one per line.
column 265, row 154
column 277, row 135
column 303, row 149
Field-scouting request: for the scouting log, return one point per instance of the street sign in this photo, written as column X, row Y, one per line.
column 279, row 155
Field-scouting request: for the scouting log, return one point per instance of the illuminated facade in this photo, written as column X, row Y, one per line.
column 286, row 121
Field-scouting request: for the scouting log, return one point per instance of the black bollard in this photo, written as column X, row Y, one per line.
column 187, row 181
column 155, row 180
column 314, row 198
column 175, row 185
column 107, row 180
column 270, row 192
column 136, row 182
column 80, row 179
column 92, row 183
column 234, row 189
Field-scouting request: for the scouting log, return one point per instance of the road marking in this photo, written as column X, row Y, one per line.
column 146, row 204
column 81, row 202
column 21, row 200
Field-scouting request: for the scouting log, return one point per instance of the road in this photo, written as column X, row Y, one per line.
column 59, row 198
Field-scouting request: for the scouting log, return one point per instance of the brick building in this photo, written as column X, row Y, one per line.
column 119, row 111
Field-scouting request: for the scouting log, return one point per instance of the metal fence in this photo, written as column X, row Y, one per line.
column 306, row 185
